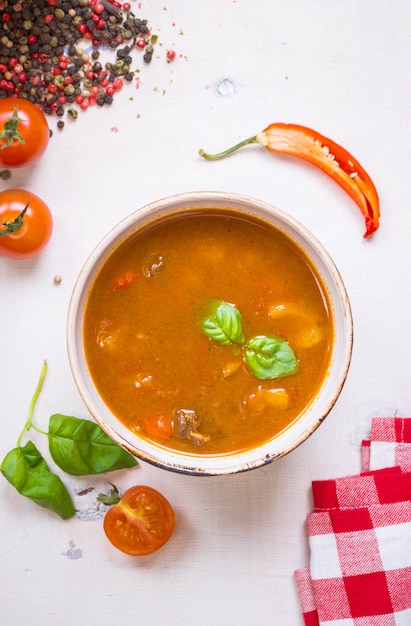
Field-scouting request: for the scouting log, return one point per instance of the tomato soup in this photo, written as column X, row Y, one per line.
column 161, row 370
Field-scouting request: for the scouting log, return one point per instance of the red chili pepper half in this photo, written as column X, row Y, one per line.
column 307, row 144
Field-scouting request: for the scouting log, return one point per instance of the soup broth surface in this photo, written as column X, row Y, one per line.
column 149, row 357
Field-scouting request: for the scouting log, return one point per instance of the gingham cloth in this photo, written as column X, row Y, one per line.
column 389, row 444
column 360, row 538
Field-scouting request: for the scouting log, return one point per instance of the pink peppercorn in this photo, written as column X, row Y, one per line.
column 98, row 8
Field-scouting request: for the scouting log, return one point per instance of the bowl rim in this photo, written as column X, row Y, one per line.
column 279, row 446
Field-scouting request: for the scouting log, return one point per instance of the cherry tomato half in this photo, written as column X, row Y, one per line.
column 36, row 228
column 141, row 522
column 24, row 132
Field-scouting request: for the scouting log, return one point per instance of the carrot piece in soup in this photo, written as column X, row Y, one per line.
column 158, row 426
column 122, row 281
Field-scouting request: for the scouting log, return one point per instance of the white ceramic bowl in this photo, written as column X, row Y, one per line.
column 298, row 431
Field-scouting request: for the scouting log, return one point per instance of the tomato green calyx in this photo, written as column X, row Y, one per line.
column 16, row 224
column 112, row 498
column 224, row 153
column 10, row 132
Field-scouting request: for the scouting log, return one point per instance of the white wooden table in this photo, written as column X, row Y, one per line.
column 339, row 67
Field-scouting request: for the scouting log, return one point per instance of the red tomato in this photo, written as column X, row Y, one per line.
column 141, row 522
column 36, row 228
column 24, row 132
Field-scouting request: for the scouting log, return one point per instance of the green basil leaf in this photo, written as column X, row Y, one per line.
column 80, row 447
column 27, row 471
column 270, row 357
column 224, row 325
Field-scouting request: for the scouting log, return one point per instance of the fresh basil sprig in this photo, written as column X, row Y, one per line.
column 79, row 447
column 267, row 357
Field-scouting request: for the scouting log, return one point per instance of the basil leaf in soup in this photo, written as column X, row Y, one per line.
column 224, row 325
column 270, row 357
column 25, row 468
column 80, row 447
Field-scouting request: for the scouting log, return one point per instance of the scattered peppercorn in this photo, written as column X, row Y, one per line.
column 41, row 58
column 72, row 114
column 5, row 174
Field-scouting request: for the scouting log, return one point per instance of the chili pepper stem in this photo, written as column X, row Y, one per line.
column 29, row 421
column 221, row 155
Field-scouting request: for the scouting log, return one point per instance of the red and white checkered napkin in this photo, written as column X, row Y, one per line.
column 360, row 538
column 389, row 444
